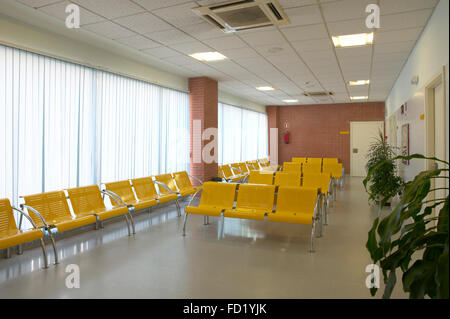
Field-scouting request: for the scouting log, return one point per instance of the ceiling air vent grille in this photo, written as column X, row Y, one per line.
column 237, row 15
column 317, row 94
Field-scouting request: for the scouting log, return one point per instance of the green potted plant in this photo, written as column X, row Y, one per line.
column 384, row 183
column 414, row 237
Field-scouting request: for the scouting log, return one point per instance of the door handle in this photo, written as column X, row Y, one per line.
column 355, row 150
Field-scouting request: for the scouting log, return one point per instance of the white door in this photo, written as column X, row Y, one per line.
column 439, row 137
column 362, row 134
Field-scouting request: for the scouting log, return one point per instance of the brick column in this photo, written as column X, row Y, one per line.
column 203, row 106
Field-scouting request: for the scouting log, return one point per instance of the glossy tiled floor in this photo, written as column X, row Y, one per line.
column 252, row 259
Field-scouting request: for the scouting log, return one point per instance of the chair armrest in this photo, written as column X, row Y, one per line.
column 196, row 178
column 236, row 169
column 195, row 194
column 115, row 197
column 29, row 208
column 166, row 187
column 22, row 213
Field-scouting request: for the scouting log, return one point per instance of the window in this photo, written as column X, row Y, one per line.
column 243, row 134
column 65, row 125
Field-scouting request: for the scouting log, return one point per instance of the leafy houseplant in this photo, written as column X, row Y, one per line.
column 411, row 229
column 384, row 183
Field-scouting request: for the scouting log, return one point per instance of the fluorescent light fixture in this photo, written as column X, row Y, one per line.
column 359, row 97
column 208, row 56
column 265, row 88
column 351, row 40
column 290, row 101
column 359, row 82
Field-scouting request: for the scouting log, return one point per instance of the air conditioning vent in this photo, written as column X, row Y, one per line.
column 237, row 15
column 317, row 94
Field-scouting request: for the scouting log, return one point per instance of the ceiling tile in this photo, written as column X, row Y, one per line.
column 179, row 15
column 399, row 6
column 109, row 30
column 398, row 35
column 173, row 36
column 202, row 31
column 58, row 10
column 304, row 15
column 226, row 42
column 312, row 45
column 345, row 10
column 405, row 20
column 158, row 4
column 110, row 9
column 37, row 3
column 347, row 27
column 272, row 37
column 315, row 31
column 161, row 52
column 394, row 47
column 138, row 42
column 190, row 47
column 143, row 23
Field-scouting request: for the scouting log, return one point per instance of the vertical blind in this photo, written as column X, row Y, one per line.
column 243, row 134
column 65, row 125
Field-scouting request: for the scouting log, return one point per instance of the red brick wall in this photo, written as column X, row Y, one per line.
column 203, row 99
column 315, row 129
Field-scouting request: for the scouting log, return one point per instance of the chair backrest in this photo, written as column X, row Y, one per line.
column 330, row 161
column 123, row 189
column 235, row 166
column 314, row 160
column 51, row 206
column 220, row 172
column 287, row 179
column 86, row 199
column 335, row 170
column 182, row 180
column 256, row 196
column 296, row 199
column 7, row 221
column 243, row 167
column 309, row 168
column 263, row 178
column 168, row 180
column 321, row 181
column 295, row 167
column 299, row 159
column 144, row 188
column 253, row 165
column 227, row 171
column 218, row 194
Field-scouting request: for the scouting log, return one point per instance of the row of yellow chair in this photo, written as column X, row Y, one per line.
column 298, row 205
column 315, row 160
column 49, row 213
column 238, row 172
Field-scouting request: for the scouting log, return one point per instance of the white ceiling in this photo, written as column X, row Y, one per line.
column 294, row 58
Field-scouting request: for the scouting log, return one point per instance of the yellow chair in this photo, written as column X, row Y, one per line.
column 287, row 179
column 184, row 184
column 264, row 178
column 166, row 186
column 299, row 160
column 253, row 165
column 324, row 183
column 335, row 170
column 314, row 160
column 236, row 170
column 88, row 201
column 228, row 174
column 309, row 168
column 145, row 189
column 298, row 205
column 125, row 192
column 253, row 202
column 294, row 167
column 244, row 169
column 11, row 236
column 216, row 197
column 330, row 161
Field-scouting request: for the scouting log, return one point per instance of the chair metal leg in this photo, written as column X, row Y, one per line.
column 7, row 253
column 44, row 252
column 178, row 207
column 205, row 220
column 311, row 250
column 184, row 224
column 132, row 223
column 19, row 250
column 325, row 211
column 128, row 224
column 55, row 251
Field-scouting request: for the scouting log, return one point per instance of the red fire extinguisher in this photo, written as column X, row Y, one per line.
column 286, row 137
column 286, row 134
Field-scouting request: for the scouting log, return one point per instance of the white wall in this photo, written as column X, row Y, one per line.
column 237, row 101
column 427, row 59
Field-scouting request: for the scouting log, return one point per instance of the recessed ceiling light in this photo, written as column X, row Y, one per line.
column 351, row 40
column 265, row 88
column 208, row 56
column 290, row 101
column 359, row 82
column 359, row 97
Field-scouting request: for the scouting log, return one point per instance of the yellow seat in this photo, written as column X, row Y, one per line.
column 215, row 198
column 124, row 190
column 261, row 177
column 228, row 174
column 244, row 169
column 10, row 235
column 287, row 179
column 88, row 201
column 167, row 180
column 335, row 170
column 145, row 189
column 314, row 160
column 253, row 165
column 299, row 160
column 295, row 167
column 253, row 202
column 54, row 209
column 295, row 205
column 321, row 181
column 309, row 168
column 184, row 184
column 330, row 161
column 238, row 171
